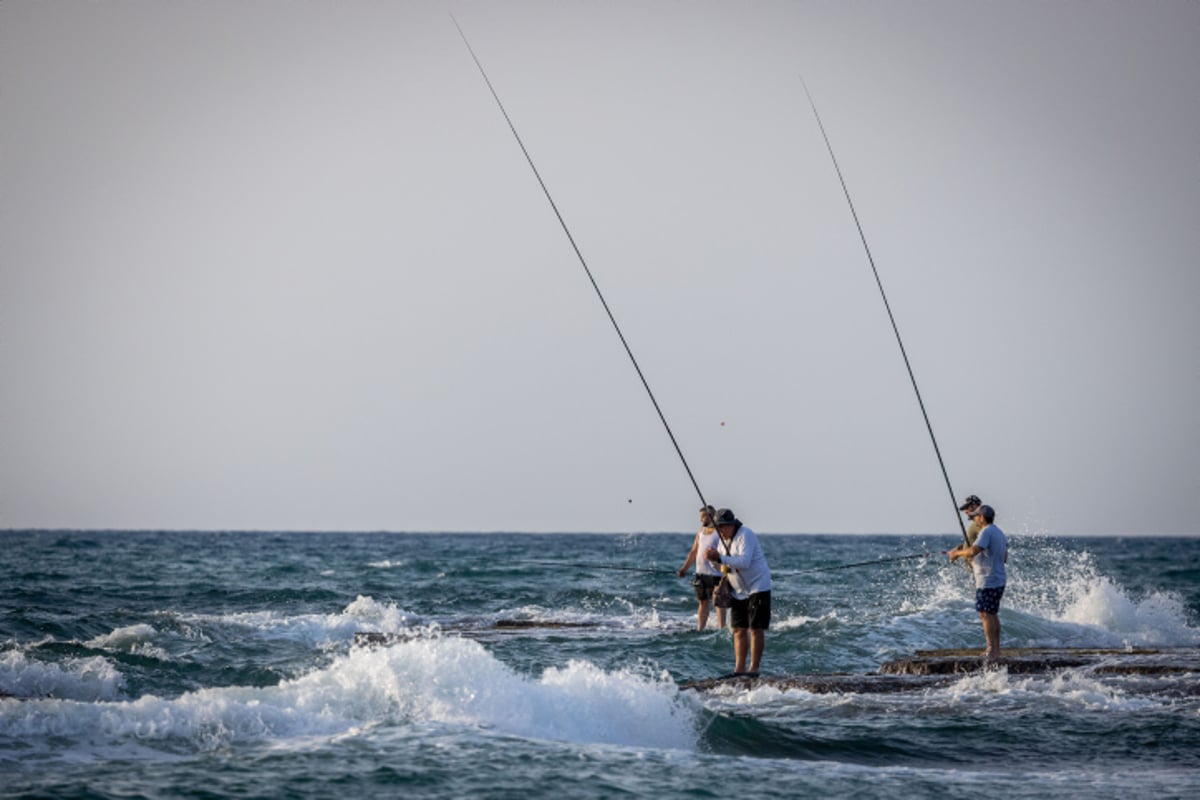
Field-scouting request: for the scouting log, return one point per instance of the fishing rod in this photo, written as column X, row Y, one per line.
column 888, row 306
column 600, row 566
column 583, row 262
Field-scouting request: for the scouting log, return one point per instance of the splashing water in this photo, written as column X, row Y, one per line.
column 1057, row 595
column 1064, row 586
column 435, row 680
column 93, row 678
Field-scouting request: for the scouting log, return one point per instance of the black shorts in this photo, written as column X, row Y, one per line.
column 704, row 585
column 754, row 612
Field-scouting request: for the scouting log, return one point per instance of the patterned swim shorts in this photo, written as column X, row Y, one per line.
column 987, row 601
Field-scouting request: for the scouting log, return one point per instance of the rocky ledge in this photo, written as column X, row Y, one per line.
column 1171, row 671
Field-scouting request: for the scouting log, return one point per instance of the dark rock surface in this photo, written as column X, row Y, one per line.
column 1024, row 660
column 1172, row 671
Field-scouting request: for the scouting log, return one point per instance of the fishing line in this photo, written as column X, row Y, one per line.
column 582, row 261
column 600, row 566
column 867, row 563
column 888, row 306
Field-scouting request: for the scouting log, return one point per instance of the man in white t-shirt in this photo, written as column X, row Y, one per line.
column 988, row 555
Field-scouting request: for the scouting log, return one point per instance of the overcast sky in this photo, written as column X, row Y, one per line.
column 279, row 265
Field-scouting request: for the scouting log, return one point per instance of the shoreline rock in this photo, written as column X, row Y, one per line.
column 1170, row 670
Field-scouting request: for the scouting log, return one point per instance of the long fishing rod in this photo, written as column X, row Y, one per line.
column 891, row 316
column 583, row 262
column 599, row 566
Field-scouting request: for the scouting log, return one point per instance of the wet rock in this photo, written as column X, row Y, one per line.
column 1168, row 671
column 1027, row 660
column 822, row 684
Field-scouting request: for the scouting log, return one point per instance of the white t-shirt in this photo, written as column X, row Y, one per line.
column 989, row 562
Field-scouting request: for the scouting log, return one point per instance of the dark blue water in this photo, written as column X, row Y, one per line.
column 225, row 664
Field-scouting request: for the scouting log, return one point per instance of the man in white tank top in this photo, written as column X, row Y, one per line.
column 707, row 574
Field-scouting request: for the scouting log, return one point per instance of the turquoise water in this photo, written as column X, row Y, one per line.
column 226, row 665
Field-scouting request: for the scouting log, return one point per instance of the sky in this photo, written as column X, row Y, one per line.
column 283, row 266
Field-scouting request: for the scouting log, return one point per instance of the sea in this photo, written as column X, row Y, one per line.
column 521, row 666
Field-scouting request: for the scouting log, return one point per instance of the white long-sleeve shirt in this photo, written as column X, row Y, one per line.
column 749, row 571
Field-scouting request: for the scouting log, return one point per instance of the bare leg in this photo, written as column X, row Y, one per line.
column 702, row 615
column 741, row 642
column 991, row 632
column 720, row 618
column 756, row 648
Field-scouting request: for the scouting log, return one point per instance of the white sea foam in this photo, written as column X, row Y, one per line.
column 1066, row 689
column 649, row 619
column 797, row 621
column 136, row 639
column 434, row 680
column 93, row 678
column 323, row 630
column 1155, row 619
column 540, row 613
column 458, row 681
column 943, row 588
column 641, row 617
column 123, row 638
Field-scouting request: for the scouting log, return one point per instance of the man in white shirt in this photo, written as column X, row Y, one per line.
column 708, row 574
column 741, row 557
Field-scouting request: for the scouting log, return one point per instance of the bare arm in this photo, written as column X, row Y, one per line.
column 691, row 556
column 965, row 552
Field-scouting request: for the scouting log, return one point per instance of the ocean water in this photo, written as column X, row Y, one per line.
column 193, row 664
